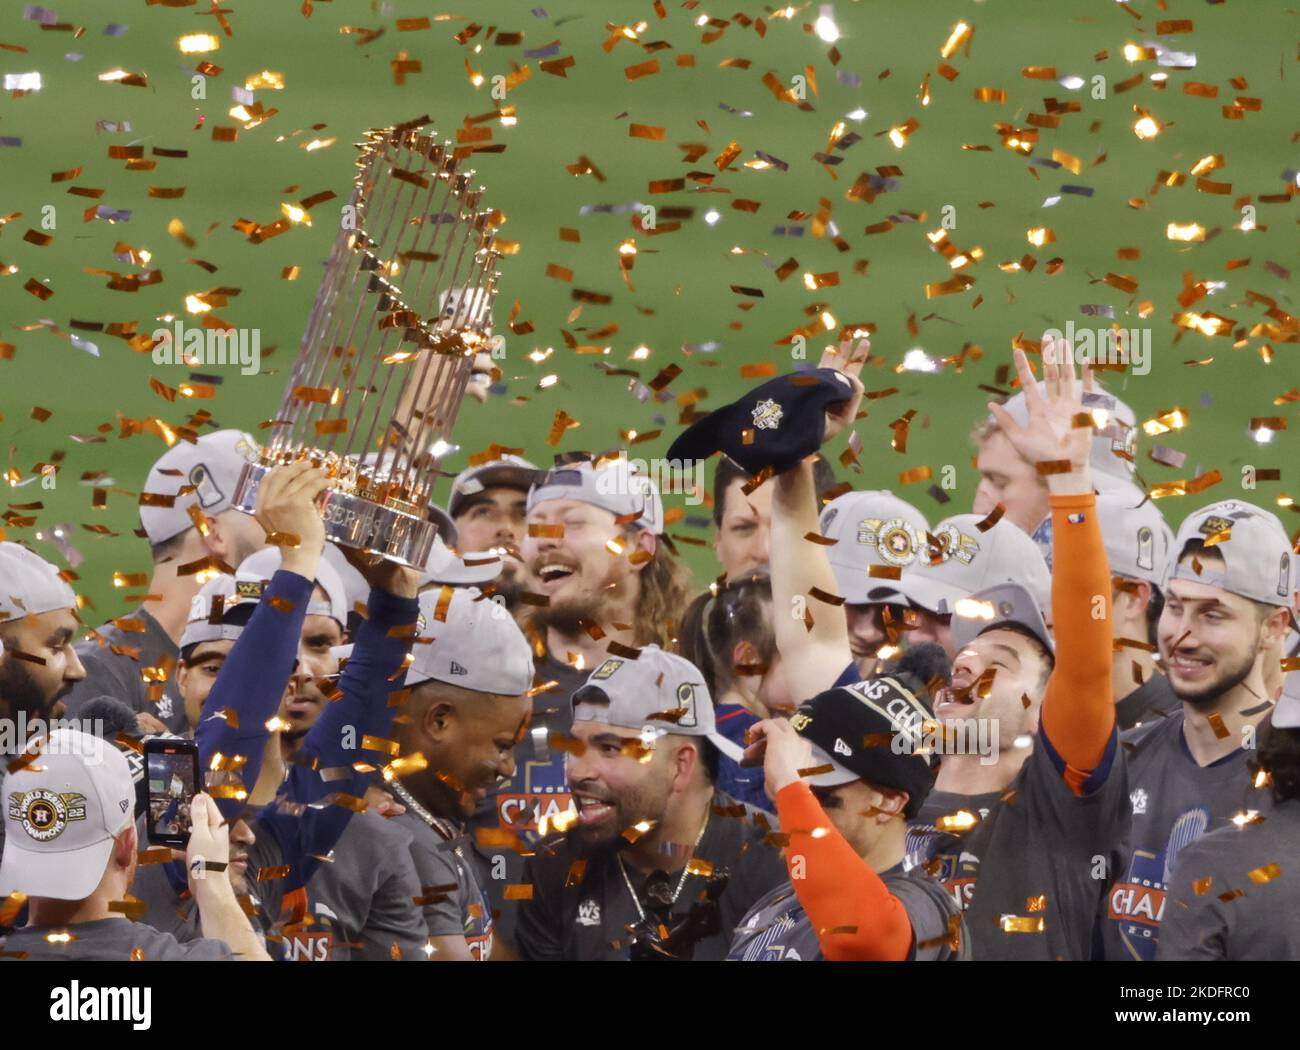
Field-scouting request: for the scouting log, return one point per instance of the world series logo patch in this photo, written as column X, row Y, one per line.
column 44, row 814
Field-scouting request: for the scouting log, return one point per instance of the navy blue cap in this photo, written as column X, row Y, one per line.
column 776, row 425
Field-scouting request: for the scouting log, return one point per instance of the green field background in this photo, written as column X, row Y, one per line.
column 682, row 280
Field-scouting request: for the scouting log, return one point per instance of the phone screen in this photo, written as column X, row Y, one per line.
column 171, row 773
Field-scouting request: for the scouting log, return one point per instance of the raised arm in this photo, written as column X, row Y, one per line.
column 253, row 678
column 852, row 910
column 1079, row 708
column 813, row 658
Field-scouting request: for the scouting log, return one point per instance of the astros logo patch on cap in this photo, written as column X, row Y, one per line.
column 44, row 814
column 895, row 540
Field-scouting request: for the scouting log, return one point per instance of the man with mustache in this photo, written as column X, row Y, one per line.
column 488, row 503
column 38, row 620
column 466, row 709
column 1227, row 592
column 642, row 765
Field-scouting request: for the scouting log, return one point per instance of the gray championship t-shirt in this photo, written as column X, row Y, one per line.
column 1152, row 700
column 119, row 674
column 582, row 912
column 778, row 929
column 1032, row 873
column 1173, row 802
column 110, row 940
column 1235, row 894
column 454, row 905
column 361, row 903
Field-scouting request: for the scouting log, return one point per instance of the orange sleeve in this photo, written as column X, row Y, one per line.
column 853, row 912
column 1079, row 708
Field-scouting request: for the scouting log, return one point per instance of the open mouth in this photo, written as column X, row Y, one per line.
column 592, row 810
column 554, row 572
column 1186, row 666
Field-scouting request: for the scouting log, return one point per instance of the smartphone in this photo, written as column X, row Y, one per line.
column 171, row 771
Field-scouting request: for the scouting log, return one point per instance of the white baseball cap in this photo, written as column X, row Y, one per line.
column 199, row 627
column 255, row 571
column 209, row 469
column 30, row 585
column 872, row 529
column 1256, row 552
column 508, row 471
column 1286, row 715
column 1116, row 430
column 1137, row 537
column 62, row 812
column 616, row 486
column 658, row 692
column 1001, row 605
column 475, row 644
column 969, row 560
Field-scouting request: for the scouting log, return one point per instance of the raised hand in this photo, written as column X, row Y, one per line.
column 1056, row 438
column 848, row 360
column 286, row 507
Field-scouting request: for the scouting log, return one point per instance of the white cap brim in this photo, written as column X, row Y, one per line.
column 71, row 875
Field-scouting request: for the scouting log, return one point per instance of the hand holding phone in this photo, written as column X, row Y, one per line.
column 171, row 769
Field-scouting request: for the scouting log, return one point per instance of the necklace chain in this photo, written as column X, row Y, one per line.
column 686, row 870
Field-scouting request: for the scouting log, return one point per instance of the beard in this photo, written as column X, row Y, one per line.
column 1206, row 696
column 636, row 805
column 572, row 614
column 20, row 692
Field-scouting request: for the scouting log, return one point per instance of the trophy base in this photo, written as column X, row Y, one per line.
column 351, row 521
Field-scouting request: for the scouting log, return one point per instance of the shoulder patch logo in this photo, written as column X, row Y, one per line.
column 588, row 913
column 1139, row 800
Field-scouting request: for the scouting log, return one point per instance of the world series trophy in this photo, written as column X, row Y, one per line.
column 400, row 327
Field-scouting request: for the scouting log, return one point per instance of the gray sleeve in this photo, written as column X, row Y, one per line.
column 443, row 894
column 1194, row 928
column 929, row 921
column 107, row 674
column 202, row 950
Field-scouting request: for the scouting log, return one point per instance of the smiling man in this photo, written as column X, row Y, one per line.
column 489, row 504
column 467, row 708
column 642, row 767
column 1226, row 610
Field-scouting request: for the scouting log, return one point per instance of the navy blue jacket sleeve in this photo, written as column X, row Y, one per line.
column 252, row 681
column 334, row 743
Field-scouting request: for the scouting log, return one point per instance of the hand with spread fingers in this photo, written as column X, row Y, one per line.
column 1057, row 438
column 848, row 360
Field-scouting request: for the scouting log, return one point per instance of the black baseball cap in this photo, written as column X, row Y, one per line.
column 776, row 425
column 871, row 731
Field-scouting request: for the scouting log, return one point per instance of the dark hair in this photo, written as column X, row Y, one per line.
column 169, row 548
column 728, row 471
column 741, row 612
column 237, row 616
column 1155, row 607
column 1279, row 757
